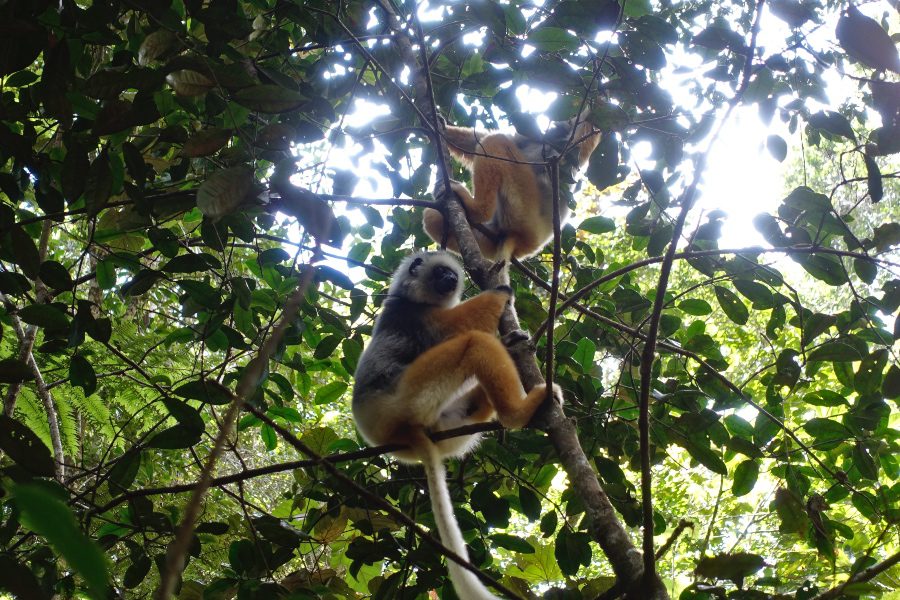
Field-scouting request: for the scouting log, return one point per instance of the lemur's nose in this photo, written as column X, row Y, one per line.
column 445, row 279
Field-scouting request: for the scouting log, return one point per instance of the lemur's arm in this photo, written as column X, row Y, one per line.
column 480, row 313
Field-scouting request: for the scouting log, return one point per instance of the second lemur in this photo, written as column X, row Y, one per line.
column 512, row 195
column 435, row 364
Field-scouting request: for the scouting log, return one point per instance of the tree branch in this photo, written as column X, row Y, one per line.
column 378, row 501
column 26, row 338
column 648, row 352
column 291, row 465
column 864, row 575
column 246, row 385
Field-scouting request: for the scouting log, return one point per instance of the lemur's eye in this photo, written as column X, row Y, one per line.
column 414, row 265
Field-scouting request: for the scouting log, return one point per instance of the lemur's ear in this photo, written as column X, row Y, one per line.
column 415, row 264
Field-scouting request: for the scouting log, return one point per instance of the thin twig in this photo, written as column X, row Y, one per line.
column 335, row 458
column 380, row 502
column 682, row 525
column 246, row 385
column 649, row 350
column 864, row 575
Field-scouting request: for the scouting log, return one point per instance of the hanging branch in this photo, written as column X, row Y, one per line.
column 649, row 351
column 246, row 385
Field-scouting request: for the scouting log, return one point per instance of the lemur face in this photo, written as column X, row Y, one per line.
column 430, row 278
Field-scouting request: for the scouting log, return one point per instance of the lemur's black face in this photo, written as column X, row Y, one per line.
column 444, row 279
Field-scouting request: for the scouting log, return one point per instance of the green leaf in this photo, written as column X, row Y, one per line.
column 269, row 437
column 81, row 374
column 695, row 306
column 137, row 571
column 553, row 39
column 572, row 550
column 326, row 346
column 603, row 165
column 873, row 179
column 269, row 98
column 201, row 292
column 14, row 284
column 826, row 430
column 13, row 370
column 512, row 543
column 98, row 184
column 47, row 316
column 705, row 456
column 891, row 386
column 846, row 349
column 584, row 355
column 598, row 225
column 659, row 239
column 207, row 391
column 832, row 122
column 731, row 305
column 824, row 267
column 185, row 414
column 867, row 379
column 123, row 473
column 50, row 518
column 865, row 269
column 140, row 284
column 865, row 41
column 25, row 252
column 192, row 263
column 738, row 426
column 549, row 523
column 25, row 448
column 825, row 398
column 760, row 295
column 530, row 503
column 777, row 147
column 745, row 476
column 55, row 275
column 330, row 392
column 175, row 438
column 864, row 462
column 106, row 274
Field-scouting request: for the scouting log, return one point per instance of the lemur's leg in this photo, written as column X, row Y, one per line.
column 431, row 382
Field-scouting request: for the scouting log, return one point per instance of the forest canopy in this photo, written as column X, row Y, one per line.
column 202, row 203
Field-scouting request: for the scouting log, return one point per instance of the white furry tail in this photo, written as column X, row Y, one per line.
column 467, row 586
